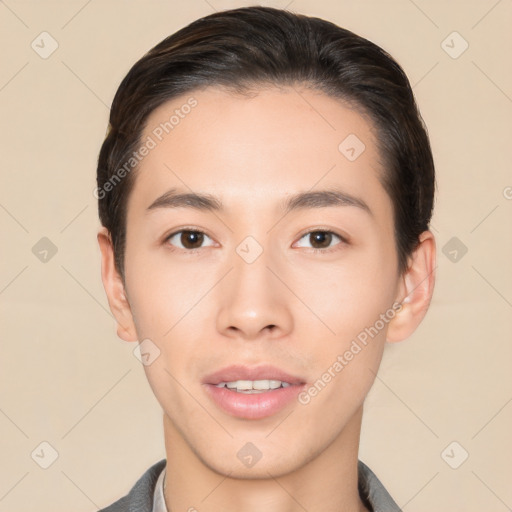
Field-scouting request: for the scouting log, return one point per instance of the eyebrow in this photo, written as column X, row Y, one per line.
column 301, row 201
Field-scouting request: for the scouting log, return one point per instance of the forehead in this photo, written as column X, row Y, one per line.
column 259, row 148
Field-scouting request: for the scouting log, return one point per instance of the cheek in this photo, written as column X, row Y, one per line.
column 345, row 366
column 350, row 296
column 160, row 292
column 165, row 304
column 356, row 305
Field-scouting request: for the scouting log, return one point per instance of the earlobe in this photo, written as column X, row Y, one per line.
column 114, row 288
column 415, row 290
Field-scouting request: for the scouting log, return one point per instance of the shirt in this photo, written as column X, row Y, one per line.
column 147, row 495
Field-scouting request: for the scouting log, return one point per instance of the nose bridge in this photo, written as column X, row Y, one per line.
column 252, row 297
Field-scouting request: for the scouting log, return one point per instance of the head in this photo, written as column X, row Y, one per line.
column 247, row 109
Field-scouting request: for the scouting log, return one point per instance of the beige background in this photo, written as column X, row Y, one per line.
column 65, row 378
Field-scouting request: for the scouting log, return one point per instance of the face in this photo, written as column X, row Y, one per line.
column 253, row 275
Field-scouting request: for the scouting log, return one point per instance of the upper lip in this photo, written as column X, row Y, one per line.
column 241, row 372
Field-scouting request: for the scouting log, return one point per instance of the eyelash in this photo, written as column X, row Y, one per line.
column 311, row 249
column 343, row 240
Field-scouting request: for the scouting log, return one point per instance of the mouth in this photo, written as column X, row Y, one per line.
column 253, row 386
column 252, row 393
column 262, row 377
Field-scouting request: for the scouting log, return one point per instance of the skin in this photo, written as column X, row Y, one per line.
column 209, row 309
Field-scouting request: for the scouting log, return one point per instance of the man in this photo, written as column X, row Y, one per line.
column 265, row 191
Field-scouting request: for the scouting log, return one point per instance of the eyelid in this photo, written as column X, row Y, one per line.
column 175, row 232
column 344, row 239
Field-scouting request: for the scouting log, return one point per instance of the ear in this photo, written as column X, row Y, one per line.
column 114, row 287
column 415, row 290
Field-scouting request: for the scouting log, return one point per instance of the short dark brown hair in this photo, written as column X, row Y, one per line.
column 248, row 48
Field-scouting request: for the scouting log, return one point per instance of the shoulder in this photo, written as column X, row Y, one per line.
column 140, row 497
column 373, row 493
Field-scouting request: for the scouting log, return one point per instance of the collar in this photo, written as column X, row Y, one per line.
column 158, row 497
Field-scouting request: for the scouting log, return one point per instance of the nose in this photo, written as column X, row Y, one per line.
column 253, row 301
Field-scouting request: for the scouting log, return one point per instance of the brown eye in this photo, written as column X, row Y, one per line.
column 321, row 240
column 191, row 239
column 187, row 239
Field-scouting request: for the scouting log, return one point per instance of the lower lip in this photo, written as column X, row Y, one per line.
column 253, row 406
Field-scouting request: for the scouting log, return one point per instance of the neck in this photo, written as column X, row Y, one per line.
column 325, row 482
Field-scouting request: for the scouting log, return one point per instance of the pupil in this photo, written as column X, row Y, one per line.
column 320, row 236
column 194, row 236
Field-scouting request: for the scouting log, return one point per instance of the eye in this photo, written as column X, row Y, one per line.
column 189, row 239
column 321, row 239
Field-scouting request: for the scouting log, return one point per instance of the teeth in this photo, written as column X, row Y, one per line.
column 253, row 386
